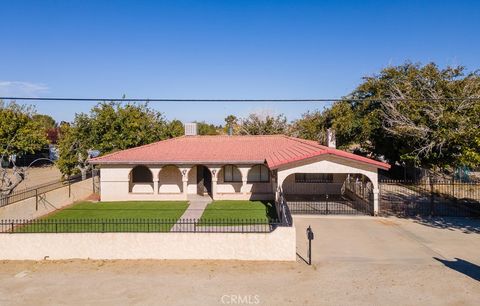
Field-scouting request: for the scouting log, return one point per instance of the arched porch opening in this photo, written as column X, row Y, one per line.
column 141, row 180
column 201, row 177
column 170, row 180
column 229, row 180
column 259, row 177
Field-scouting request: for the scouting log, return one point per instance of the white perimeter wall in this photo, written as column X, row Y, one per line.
column 279, row 245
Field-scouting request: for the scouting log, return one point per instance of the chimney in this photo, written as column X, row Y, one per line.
column 191, row 129
column 331, row 140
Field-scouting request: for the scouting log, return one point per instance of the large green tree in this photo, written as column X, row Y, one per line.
column 419, row 114
column 110, row 127
column 208, row 129
column 258, row 124
column 19, row 134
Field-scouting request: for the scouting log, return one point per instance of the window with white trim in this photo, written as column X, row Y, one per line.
column 231, row 174
column 258, row 173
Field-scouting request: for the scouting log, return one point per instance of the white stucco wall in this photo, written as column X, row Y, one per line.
column 329, row 164
column 168, row 184
column 279, row 245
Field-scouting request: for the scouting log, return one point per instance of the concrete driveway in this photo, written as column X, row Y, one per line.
column 390, row 240
column 435, row 260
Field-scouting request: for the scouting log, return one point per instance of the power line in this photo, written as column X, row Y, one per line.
column 225, row 100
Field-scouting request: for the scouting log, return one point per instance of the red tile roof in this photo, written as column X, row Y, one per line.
column 275, row 150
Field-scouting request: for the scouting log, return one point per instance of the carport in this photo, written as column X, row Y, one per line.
column 330, row 184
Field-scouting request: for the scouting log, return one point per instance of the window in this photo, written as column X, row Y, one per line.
column 313, row 177
column 231, row 174
column 259, row 173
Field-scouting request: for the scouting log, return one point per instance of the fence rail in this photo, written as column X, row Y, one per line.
column 21, row 195
column 409, row 198
column 329, row 205
column 283, row 211
column 138, row 226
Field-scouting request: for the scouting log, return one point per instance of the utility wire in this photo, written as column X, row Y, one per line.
column 225, row 100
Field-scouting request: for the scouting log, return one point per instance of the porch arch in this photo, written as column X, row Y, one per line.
column 229, row 179
column 141, row 180
column 170, row 180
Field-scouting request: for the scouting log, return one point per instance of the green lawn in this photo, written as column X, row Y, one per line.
column 94, row 217
column 261, row 211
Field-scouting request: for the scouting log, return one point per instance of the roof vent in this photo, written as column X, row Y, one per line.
column 331, row 139
column 191, row 129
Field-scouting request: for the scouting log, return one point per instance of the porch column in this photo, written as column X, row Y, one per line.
column 215, row 172
column 156, row 174
column 184, row 172
column 280, row 178
column 244, row 171
column 376, row 206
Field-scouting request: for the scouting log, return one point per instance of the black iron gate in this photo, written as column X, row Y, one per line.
column 329, row 205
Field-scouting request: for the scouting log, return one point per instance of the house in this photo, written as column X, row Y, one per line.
column 232, row 168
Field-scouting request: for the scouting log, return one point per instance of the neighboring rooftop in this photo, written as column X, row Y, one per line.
column 274, row 150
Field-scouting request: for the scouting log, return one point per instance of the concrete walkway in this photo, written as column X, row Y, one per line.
column 197, row 205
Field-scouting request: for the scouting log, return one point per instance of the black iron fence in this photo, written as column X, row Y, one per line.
column 139, row 226
column 353, row 197
column 283, row 211
column 329, row 205
column 21, row 195
column 433, row 198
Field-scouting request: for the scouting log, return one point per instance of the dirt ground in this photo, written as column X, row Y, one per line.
column 356, row 261
column 38, row 176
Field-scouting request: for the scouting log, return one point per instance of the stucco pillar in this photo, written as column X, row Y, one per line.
column 244, row 171
column 214, row 171
column 376, row 206
column 214, row 188
column 184, row 172
column 155, row 174
column 155, row 186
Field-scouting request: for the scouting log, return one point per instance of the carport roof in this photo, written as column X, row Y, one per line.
column 274, row 150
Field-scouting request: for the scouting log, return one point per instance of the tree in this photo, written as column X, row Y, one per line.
column 409, row 113
column 207, row 129
column 19, row 134
column 174, row 128
column 313, row 126
column 74, row 146
column 256, row 124
column 109, row 127
column 49, row 126
column 231, row 122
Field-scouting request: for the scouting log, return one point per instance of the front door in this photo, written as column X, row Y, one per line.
column 204, row 180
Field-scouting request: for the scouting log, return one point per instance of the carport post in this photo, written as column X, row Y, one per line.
column 376, row 209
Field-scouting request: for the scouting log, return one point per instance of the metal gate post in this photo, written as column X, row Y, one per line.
column 432, row 199
column 326, row 204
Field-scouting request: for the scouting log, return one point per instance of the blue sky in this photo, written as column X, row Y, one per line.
column 221, row 49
